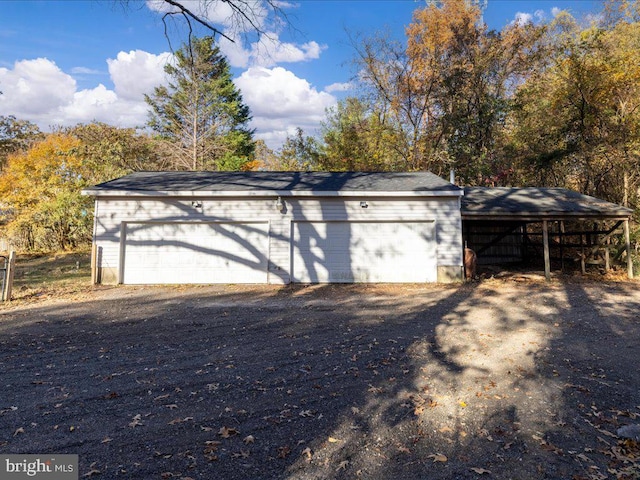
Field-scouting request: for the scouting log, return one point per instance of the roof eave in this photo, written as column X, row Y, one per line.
column 270, row 193
column 537, row 217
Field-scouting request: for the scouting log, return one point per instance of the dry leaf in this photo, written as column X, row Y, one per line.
column 438, row 457
column 106, row 440
column 93, row 471
column 283, row 452
column 333, row 440
column 343, row 465
column 248, row 439
column 226, row 432
column 481, row 471
column 307, row 453
column 19, row 430
column 136, row 421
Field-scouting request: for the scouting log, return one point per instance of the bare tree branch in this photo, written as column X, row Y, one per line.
column 189, row 15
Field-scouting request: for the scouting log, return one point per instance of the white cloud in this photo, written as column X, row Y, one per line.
column 34, row 86
column 281, row 101
column 137, row 72
column 85, row 71
column 236, row 54
column 555, row 11
column 522, row 18
column 268, row 51
column 540, row 15
column 338, row 87
column 39, row 91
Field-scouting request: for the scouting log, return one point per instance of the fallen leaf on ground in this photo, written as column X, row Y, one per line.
column 283, row 452
column 93, row 471
column 226, row 432
column 19, row 430
column 333, row 440
column 481, row 471
column 307, row 453
column 438, row 457
column 137, row 420
column 343, row 465
column 248, row 439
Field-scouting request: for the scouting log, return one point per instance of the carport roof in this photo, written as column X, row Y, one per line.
column 535, row 204
column 276, row 183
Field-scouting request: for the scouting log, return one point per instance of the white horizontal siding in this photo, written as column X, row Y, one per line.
column 112, row 212
column 444, row 211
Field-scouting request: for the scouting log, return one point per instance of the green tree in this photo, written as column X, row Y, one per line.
column 356, row 139
column 16, row 135
column 109, row 152
column 299, row 153
column 200, row 114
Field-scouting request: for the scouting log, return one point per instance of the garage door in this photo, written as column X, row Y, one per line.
column 364, row 252
column 156, row 253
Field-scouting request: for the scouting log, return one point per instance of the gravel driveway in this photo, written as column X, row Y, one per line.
column 498, row 379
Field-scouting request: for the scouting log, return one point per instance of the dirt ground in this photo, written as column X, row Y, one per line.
column 498, row 379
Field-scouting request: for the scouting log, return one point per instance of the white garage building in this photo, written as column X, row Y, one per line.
column 276, row 227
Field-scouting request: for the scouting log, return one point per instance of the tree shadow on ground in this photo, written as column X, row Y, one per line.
column 319, row 382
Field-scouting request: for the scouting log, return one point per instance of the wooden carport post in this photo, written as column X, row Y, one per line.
column 627, row 239
column 545, row 243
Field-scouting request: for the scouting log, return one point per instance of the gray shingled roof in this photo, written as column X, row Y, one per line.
column 535, row 203
column 280, row 183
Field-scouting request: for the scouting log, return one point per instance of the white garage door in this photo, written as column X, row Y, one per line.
column 346, row 252
column 158, row 253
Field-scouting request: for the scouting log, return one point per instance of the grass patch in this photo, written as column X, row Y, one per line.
column 47, row 275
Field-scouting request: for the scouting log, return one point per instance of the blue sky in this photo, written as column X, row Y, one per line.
column 74, row 61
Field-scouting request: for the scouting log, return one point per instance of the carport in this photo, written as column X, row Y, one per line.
column 511, row 225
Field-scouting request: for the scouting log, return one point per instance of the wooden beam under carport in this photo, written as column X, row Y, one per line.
column 627, row 239
column 545, row 244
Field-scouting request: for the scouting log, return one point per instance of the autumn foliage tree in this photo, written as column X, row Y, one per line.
column 577, row 121
column 40, row 188
column 440, row 100
column 40, row 185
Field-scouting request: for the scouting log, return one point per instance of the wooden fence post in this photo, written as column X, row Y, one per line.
column 94, row 263
column 8, row 279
